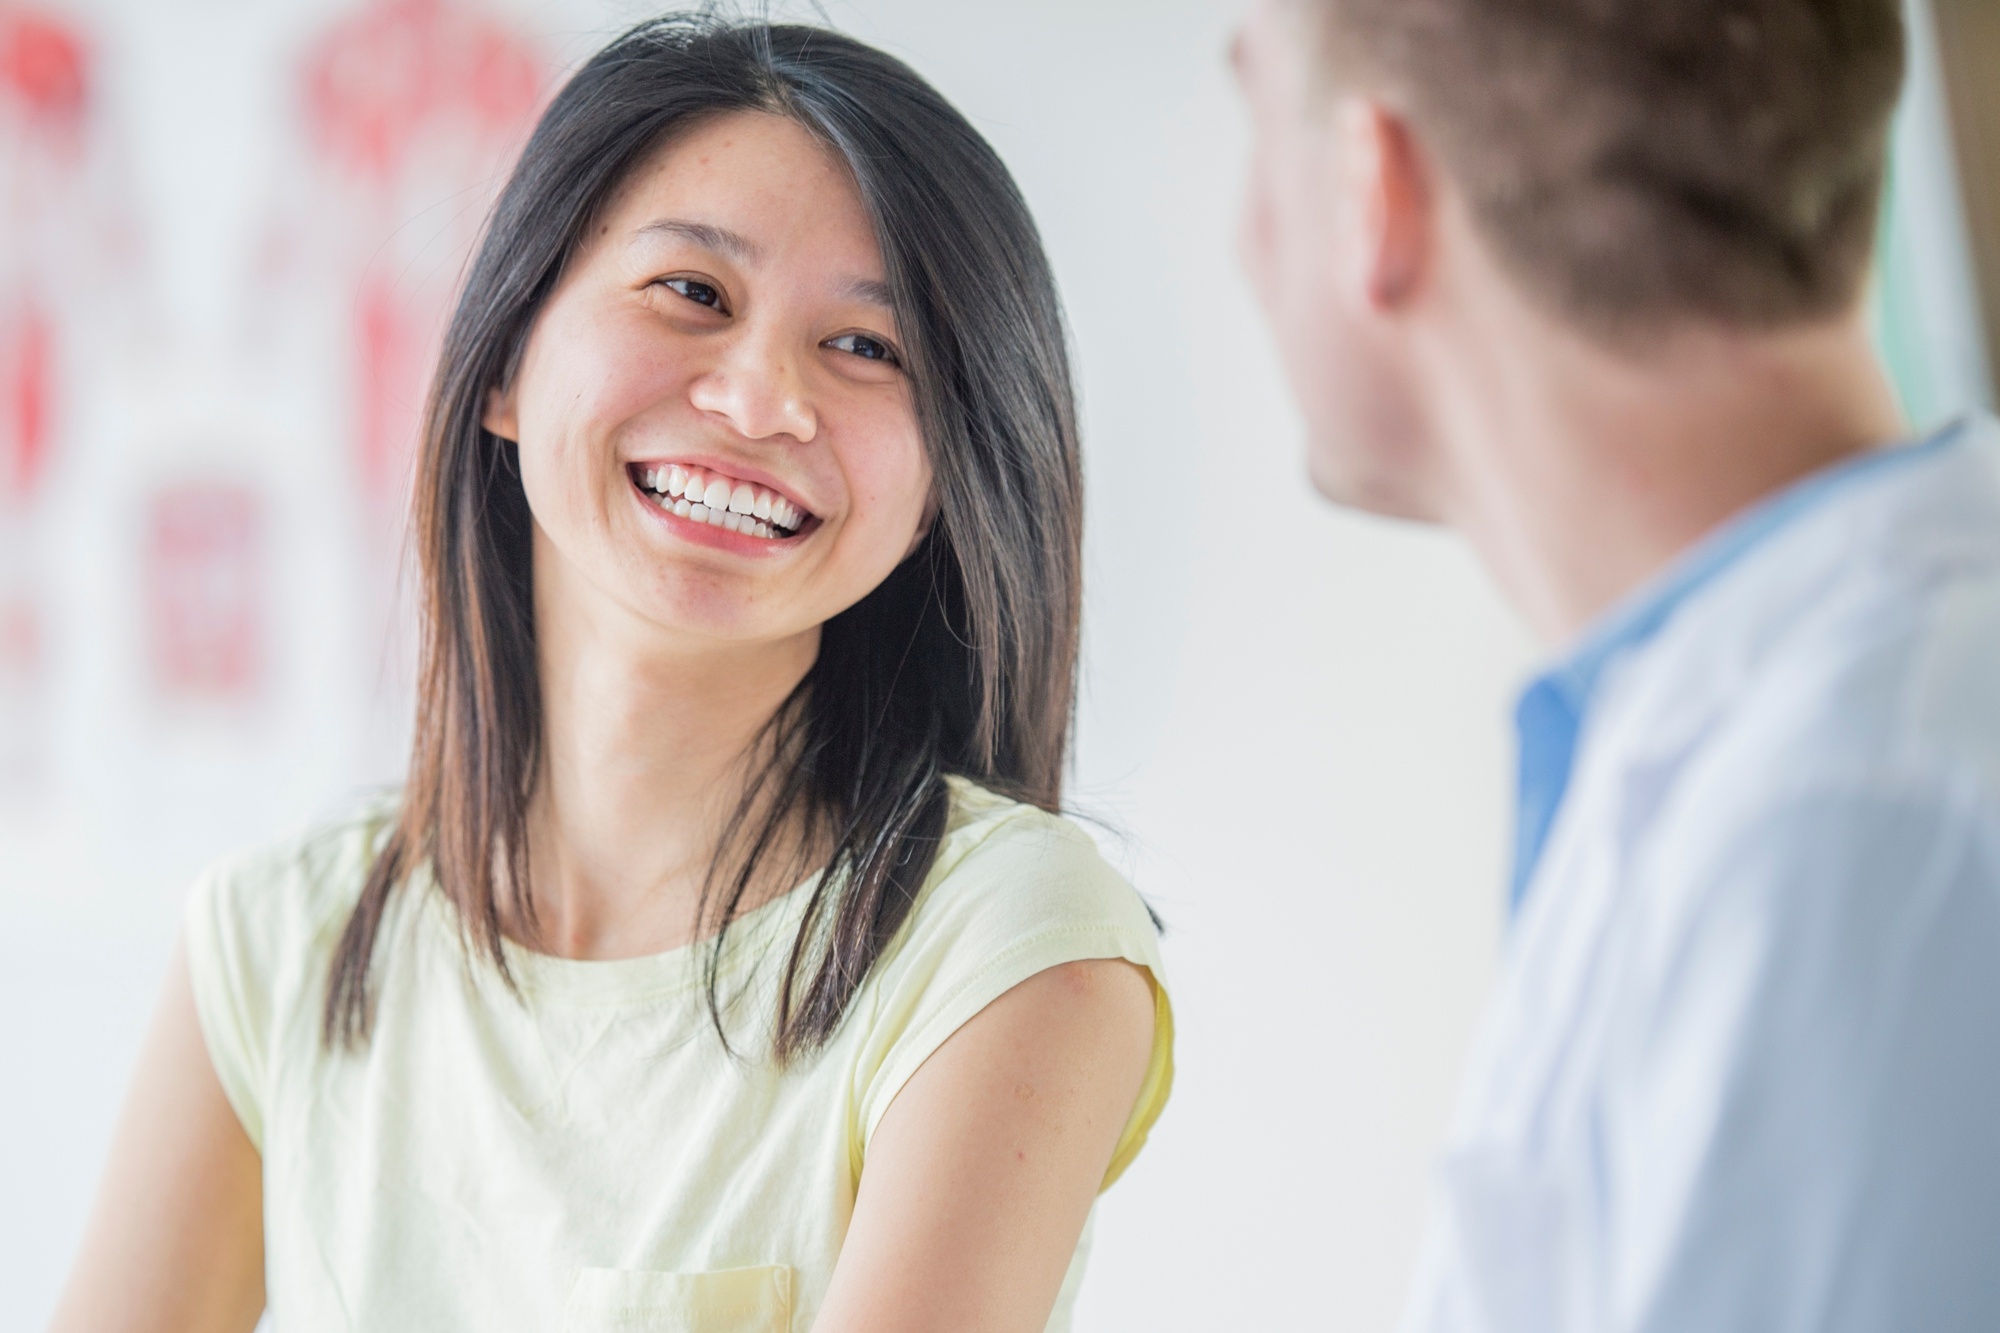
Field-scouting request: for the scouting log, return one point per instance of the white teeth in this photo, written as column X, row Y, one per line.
column 722, row 501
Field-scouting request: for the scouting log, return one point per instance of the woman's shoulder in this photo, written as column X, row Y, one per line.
column 1007, row 870
column 1015, row 890
column 303, row 882
column 258, row 930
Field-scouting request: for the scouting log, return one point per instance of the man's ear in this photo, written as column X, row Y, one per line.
column 500, row 417
column 1386, row 181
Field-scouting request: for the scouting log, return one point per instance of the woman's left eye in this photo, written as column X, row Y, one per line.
column 865, row 347
column 694, row 289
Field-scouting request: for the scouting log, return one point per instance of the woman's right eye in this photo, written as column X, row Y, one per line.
column 694, row 289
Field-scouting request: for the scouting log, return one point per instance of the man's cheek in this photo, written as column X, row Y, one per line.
column 1254, row 238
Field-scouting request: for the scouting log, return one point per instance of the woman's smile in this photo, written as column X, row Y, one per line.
column 709, row 505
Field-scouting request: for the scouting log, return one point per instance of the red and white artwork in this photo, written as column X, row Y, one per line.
column 413, row 112
column 404, row 119
column 45, row 101
column 204, row 594
column 409, row 114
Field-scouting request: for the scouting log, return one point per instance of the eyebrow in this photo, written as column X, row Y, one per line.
column 730, row 244
column 735, row 245
column 871, row 291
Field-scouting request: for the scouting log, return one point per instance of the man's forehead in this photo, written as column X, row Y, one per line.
column 1272, row 46
column 1238, row 53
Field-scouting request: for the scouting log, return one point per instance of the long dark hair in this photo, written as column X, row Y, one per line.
column 962, row 662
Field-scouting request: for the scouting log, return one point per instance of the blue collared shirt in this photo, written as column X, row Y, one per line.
column 1550, row 715
column 1742, row 1068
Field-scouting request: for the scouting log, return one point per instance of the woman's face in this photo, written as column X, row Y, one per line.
column 716, row 434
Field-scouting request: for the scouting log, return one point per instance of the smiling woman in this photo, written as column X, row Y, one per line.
column 724, row 964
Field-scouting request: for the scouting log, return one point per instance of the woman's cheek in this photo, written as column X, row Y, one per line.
column 897, row 477
column 893, row 519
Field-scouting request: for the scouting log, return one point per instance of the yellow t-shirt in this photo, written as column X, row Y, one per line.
column 586, row 1156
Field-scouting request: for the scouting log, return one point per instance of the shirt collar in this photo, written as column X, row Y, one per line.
column 1550, row 715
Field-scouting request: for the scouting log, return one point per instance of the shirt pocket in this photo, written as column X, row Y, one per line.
column 726, row 1300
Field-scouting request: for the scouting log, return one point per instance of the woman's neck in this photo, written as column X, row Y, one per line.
column 646, row 748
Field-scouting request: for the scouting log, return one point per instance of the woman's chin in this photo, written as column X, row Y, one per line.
column 698, row 609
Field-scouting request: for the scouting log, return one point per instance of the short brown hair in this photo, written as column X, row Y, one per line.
column 1645, row 162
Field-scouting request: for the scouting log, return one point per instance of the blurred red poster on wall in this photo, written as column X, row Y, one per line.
column 204, row 595
column 43, row 99
column 27, row 394
column 413, row 110
column 44, row 105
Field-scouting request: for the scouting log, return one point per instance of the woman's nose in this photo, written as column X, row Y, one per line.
column 757, row 388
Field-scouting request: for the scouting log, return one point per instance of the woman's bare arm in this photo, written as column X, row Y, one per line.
column 176, row 1241
column 981, row 1173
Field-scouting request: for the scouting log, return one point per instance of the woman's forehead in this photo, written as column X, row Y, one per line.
column 759, row 189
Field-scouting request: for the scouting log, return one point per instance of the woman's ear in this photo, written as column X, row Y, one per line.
column 924, row 523
column 500, row 418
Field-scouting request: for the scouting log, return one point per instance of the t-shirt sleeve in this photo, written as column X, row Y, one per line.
column 1030, row 893
column 1806, row 1129
column 232, row 992
column 259, row 928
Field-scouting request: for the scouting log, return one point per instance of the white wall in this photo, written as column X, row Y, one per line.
column 1295, row 717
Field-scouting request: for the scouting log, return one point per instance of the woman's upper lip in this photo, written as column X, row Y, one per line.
column 728, row 468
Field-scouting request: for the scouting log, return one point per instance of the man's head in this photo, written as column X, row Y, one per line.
column 1628, row 168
